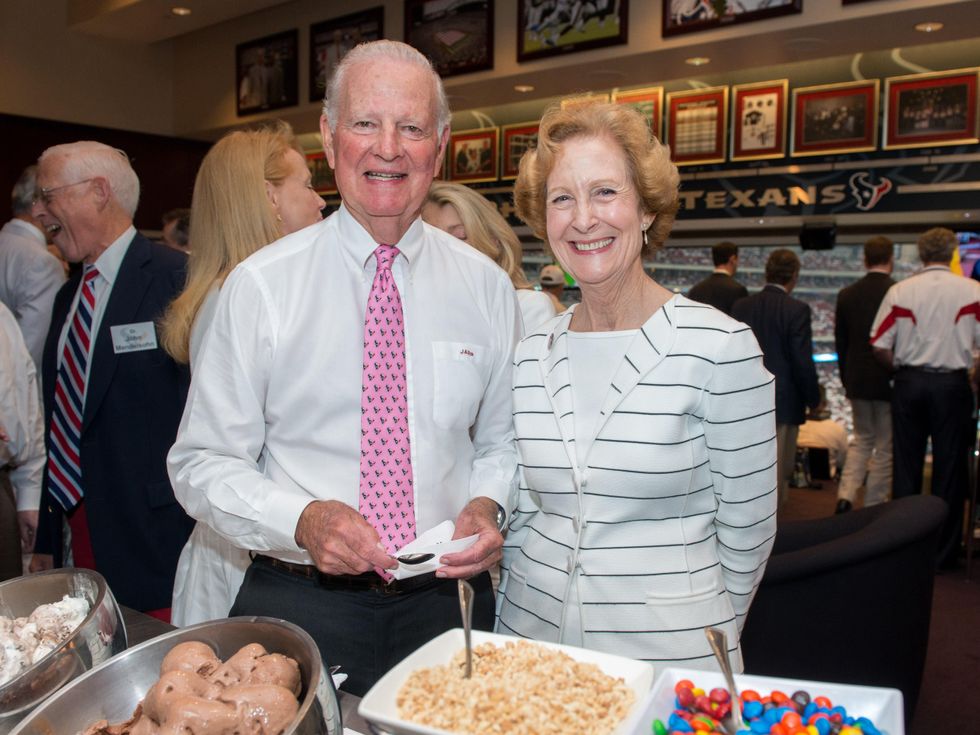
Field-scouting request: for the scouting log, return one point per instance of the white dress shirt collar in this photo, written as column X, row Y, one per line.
column 356, row 241
column 110, row 261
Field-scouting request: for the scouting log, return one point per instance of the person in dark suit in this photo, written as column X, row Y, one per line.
column 782, row 326
column 866, row 381
column 112, row 397
column 720, row 289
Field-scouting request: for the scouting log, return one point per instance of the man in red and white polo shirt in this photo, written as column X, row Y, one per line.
column 927, row 329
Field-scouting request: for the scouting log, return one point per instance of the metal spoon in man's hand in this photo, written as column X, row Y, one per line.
column 411, row 559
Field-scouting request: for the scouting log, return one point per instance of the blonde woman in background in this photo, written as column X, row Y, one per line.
column 253, row 187
column 469, row 216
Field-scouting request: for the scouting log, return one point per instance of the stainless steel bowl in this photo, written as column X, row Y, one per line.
column 99, row 637
column 112, row 690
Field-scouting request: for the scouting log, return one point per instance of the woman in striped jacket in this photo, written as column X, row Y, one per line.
column 645, row 421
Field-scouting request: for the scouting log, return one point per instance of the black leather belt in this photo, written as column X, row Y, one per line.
column 351, row 582
column 940, row 370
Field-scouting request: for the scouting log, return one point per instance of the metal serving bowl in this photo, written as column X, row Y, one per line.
column 100, row 636
column 112, row 690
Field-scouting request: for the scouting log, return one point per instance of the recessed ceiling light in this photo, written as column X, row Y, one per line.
column 929, row 26
column 697, row 60
column 180, row 11
column 523, row 88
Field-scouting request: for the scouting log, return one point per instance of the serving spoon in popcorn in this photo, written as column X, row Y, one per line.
column 466, row 595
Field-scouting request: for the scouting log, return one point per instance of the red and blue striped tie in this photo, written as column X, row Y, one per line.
column 64, row 464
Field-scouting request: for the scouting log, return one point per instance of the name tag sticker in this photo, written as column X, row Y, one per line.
column 133, row 337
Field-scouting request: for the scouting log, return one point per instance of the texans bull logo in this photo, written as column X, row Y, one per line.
column 866, row 192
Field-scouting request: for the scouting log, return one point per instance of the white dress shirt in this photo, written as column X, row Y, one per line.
column 930, row 320
column 20, row 415
column 30, row 277
column 211, row 568
column 535, row 308
column 273, row 417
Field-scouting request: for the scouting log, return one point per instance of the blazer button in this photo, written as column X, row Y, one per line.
column 571, row 565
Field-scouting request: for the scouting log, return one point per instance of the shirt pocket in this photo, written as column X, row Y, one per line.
column 460, row 378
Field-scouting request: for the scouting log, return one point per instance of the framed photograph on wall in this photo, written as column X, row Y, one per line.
column 473, row 155
column 697, row 121
column 517, row 139
column 650, row 103
column 835, row 118
column 684, row 16
column 549, row 28
column 759, row 120
column 333, row 38
column 267, row 73
column 457, row 37
column 321, row 175
column 939, row 108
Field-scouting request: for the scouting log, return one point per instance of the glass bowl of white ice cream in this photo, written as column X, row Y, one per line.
column 54, row 626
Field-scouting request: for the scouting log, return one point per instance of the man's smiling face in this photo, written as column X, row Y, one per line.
column 386, row 147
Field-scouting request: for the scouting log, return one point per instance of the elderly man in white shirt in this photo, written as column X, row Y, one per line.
column 30, row 276
column 277, row 450
column 21, row 448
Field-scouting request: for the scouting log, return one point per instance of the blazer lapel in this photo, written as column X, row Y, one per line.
column 51, row 358
column 557, row 379
column 648, row 348
column 124, row 302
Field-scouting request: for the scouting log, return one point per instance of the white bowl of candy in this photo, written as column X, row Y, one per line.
column 853, row 709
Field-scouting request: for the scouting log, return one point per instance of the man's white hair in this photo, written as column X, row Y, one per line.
column 22, row 195
column 88, row 159
column 371, row 51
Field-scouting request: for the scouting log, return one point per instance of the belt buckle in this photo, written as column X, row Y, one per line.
column 388, row 586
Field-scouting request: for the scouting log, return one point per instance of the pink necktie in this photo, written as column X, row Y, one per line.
column 387, row 498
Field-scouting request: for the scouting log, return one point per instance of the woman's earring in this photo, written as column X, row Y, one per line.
column 645, row 243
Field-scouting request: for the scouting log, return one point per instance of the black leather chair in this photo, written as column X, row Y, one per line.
column 848, row 598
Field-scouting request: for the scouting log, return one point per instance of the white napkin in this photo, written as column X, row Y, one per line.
column 436, row 541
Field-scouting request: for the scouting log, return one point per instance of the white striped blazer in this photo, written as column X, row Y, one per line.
column 668, row 527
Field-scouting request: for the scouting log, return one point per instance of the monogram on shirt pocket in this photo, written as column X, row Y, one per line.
column 459, row 375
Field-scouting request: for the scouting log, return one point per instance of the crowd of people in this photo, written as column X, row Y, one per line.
column 255, row 418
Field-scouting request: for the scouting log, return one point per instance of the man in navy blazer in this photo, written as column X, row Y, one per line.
column 127, row 525
column 782, row 326
column 720, row 289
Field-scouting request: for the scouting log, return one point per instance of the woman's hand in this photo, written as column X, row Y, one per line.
column 478, row 517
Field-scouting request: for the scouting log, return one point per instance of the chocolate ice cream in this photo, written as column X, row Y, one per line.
column 253, row 693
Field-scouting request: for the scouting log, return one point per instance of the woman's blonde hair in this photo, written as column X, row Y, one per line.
column 654, row 175
column 486, row 229
column 231, row 218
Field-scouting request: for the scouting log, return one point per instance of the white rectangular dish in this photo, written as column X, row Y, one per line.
column 379, row 705
column 884, row 707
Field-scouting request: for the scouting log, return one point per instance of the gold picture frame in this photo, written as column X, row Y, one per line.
column 474, row 155
column 759, row 120
column 648, row 101
column 932, row 109
column 835, row 118
column 697, row 125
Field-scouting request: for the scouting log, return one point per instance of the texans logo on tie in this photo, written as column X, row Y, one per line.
column 387, row 498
